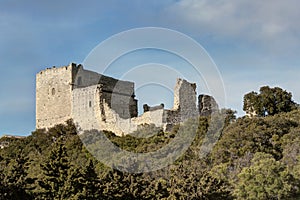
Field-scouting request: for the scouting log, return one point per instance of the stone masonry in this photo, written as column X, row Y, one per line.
column 95, row 101
column 207, row 105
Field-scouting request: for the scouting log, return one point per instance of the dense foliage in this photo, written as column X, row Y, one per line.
column 269, row 101
column 254, row 158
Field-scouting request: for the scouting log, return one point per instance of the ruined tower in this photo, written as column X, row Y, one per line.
column 57, row 101
column 54, row 95
column 185, row 99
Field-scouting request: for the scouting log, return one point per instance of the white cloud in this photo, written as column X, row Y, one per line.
column 256, row 21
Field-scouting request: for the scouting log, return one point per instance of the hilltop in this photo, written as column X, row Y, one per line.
column 253, row 156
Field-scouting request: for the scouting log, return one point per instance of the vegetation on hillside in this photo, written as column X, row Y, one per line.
column 254, row 158
column 269, row 101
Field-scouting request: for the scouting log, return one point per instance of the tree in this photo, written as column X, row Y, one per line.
column 16, row 182
column 73, row 185
column 90, row 183
column 55, row 170
column 117, row 185
column 266, row 178
column 230, row 115
column 252, row 104
column 124, row 185
column 269, row 101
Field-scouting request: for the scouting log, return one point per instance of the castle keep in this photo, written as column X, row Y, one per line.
column 95, row 101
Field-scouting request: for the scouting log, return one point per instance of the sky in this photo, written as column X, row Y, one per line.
column 252, row 43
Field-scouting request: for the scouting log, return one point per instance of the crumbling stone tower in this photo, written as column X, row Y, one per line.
column 54, row 95
column 185, row 99
column 56, row 99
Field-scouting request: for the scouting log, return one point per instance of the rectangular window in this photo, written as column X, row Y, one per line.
column 79, row 81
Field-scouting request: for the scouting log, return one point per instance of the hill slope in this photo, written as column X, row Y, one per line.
column 254, row 158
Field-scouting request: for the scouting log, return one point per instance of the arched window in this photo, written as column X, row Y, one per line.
column 53, row 91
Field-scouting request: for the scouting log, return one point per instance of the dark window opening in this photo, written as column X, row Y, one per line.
column 53, row 91
column 90, row 104
column 79, row 81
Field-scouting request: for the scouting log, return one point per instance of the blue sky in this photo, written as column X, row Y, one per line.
column 253, row 43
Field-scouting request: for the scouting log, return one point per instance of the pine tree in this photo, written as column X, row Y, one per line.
column 16, row 183
column 55, row 170
column 90, row 183
column 73, row 185
column 116, row 186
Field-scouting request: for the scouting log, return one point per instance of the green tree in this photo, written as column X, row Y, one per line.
column 251, row 135
column 90, row 183
column 266, row 178
column 116, row 185
column 124, row 185
column 252, row 104
column 16, row 183
column 230, row 116
column 55, row 170
column 269, row 101
column 72, row 185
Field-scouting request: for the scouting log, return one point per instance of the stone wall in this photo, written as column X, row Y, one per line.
column 91, row 111
column 86, row 110
column 86, row 78
column 125, row 106
column 147, row 108
column 54, row 96
column 206, row 105
column 55, row 99
column 118, row 94
column 185, row 99
column 121, row 126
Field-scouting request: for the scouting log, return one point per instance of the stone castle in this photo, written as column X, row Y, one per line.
column 95, row 101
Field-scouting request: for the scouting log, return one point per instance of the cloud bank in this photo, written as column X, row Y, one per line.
column 271, row 22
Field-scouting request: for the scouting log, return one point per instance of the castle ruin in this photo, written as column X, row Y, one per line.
column 95, row 101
